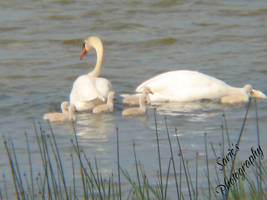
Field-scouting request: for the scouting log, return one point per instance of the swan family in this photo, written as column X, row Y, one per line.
column 93, row 93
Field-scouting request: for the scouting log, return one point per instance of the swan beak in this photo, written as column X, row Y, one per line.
column 84, row 51
column 258, row 94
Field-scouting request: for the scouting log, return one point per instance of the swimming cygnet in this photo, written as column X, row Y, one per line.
column 108, row 107
column 67, row 114
column 135, row 99
column 132, row 100
column 141, row 110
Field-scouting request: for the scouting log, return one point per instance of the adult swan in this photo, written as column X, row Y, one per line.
column 89, row 90
column 185, row 85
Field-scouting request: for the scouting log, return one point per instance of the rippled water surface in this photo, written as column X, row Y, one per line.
column 40, row 44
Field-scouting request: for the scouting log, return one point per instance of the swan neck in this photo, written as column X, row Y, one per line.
column 71, row 113
column 72, row 116
column 110, row 102
column 142, row 104
column 64, row 108
column 64, row 111
column 98, row 46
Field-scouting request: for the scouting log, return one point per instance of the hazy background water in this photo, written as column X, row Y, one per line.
column 40, row 44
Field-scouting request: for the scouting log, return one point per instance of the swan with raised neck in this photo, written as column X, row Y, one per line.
column 90, row 90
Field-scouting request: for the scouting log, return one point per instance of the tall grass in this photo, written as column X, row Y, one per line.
column 51, row 181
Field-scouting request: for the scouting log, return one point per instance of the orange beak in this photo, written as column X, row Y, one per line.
column 83, row 52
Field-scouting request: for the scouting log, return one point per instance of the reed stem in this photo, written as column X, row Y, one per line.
column 197, row 155
column 118, row 161
column 159, row 157
column 183, row 162
column 207, row 163
column 238, row 142
column 172, row 157
column 259, row 180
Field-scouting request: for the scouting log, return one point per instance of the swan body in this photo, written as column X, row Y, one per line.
column 141, row 110
column 89, row 90
column 185, row 85
column 108, row 107
column 67, row 114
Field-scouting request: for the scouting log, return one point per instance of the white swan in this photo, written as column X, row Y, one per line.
column 141, row 110
column 68, row 114
column 90, row 90
column 108, row 107
column 185, row 85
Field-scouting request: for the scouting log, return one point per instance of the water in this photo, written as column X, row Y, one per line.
column 40, row 43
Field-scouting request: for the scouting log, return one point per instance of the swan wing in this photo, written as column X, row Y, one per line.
column 103, row 87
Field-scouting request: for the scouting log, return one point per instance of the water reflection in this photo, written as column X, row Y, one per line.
column 198, row 109
column 40, row 60
column 93, row 126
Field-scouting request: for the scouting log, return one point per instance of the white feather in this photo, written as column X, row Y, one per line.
column 185, row 85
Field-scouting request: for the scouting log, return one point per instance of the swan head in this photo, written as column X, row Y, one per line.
column 254, row 93
column 89, row 43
